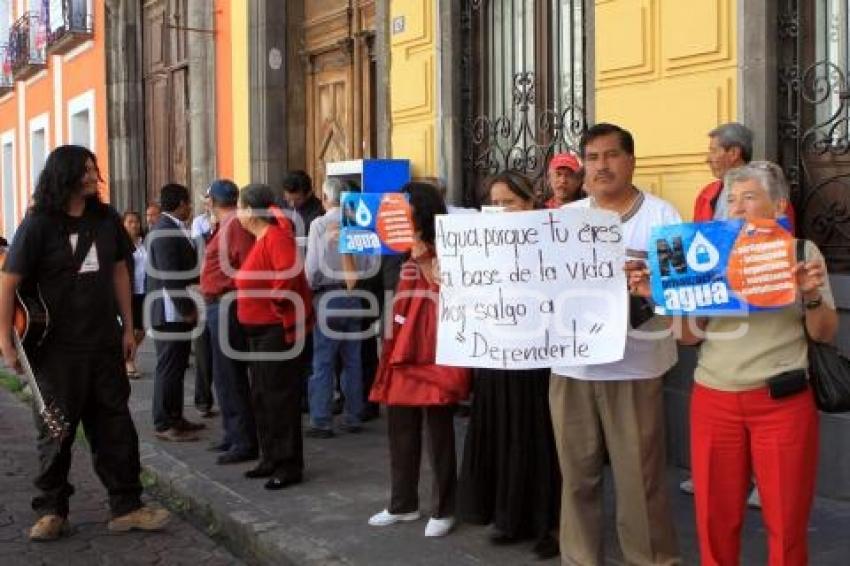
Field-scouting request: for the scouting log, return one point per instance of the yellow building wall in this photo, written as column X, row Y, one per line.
column 413, row 92
column 666, row 70
column 240, row 93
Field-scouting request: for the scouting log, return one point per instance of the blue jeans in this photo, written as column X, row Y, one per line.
column 230, row 379
column 325, row 351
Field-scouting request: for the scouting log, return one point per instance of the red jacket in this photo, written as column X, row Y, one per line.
column 407, row 374
column 706, row 203
column 225, row 252
column 273, row 266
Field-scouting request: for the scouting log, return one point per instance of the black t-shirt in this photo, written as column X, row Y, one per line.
column 79, row 291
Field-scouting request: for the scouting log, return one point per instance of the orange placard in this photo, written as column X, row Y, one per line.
column 395, row 224
column 760, row 263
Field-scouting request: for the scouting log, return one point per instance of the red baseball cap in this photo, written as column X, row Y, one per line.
column 567, row 160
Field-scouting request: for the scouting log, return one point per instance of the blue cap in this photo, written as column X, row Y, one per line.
column 223, row 191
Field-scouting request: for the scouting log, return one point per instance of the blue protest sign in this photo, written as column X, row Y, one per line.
column 375, row 224
column 722, row 268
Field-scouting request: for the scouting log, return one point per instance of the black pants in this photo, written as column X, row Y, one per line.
column 369, row 359
column 91, row 388
column 405, row 432
column 172, row 358
column 230, row 378
column 276, row 394
column 203, row 371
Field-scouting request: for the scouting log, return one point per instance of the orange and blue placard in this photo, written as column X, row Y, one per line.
column 722, row 268
column 375, row 224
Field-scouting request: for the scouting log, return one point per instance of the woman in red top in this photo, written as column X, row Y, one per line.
column 274, row 305
column 414, row 388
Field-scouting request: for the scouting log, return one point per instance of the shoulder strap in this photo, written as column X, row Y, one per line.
column 801, row 249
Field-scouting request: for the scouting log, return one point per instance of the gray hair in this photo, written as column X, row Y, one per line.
column 737, row 135
column 332, row 188
column 767, row 174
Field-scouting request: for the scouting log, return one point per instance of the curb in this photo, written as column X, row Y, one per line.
column 244, row 529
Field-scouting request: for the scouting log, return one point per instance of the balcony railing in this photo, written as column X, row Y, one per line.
column 70, row 25
column 27, row 46
column 7, row 81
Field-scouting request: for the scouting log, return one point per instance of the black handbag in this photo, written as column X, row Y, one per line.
column 829, row 371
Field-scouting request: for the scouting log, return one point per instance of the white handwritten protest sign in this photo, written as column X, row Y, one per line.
column 531, row 289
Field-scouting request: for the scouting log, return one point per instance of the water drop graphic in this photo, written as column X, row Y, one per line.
column 363, row 216
column 702, row 255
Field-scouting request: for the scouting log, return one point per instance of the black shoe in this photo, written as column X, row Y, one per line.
column 351, row 428
column 261, row 471
column 313, row 432
column 236, row 457
column 219, row 447
column 282, row 482
column 546, row 548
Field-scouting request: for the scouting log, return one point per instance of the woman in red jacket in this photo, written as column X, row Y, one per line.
column 414, row 388
column 274, row 306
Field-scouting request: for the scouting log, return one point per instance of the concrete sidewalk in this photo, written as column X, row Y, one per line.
column 91, row 543
column 323, row 520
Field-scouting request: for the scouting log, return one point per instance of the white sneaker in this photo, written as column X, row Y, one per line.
column 687, row 486
column 385, row 518
column 439, row 527
column 754, row 500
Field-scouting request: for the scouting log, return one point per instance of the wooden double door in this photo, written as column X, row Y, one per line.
column 340, row 82
column 166, row 94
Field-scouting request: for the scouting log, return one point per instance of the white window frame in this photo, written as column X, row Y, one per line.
column 81, row 103
column 8, row 138
column 6, row 16
column 40, row 122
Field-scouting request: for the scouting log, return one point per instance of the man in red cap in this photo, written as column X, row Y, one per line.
column 566, row 178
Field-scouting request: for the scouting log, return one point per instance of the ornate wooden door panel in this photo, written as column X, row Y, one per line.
column 329, row 120
column 339, row 74
column 165, row 79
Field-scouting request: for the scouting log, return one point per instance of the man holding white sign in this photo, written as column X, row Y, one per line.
column 617, row 407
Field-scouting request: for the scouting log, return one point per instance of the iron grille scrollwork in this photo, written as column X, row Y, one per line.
column 814, row 121
column 523, row 86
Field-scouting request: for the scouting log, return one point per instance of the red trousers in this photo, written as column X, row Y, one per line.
column 734, row 435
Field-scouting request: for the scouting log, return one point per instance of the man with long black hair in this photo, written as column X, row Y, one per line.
column 74, row 248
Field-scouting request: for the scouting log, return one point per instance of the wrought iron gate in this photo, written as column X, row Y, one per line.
column 814, row 120
column 523, row 91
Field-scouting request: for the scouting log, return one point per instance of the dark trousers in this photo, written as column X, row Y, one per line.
column 172, row 358
column 276, row 391
column 230, row 378
column 204, row 371
column 91, row 388
column 405, row 432
column 369, row 359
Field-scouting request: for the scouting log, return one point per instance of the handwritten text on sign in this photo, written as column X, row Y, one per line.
column 531, row 289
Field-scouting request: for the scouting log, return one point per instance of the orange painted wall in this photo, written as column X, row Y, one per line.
column 9, row 121
column 223, row 93
column 85, row 71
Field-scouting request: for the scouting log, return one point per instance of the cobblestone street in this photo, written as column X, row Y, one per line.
column 90, row 543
